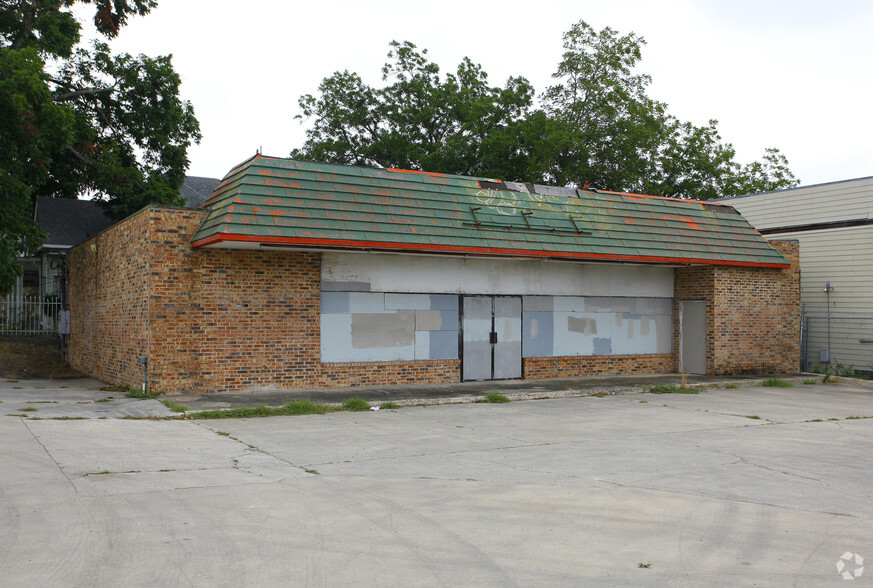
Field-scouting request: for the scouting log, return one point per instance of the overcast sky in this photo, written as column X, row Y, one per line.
column 792, row 74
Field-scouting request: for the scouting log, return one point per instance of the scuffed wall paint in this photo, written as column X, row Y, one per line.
column 557, row 326
column 376, row 272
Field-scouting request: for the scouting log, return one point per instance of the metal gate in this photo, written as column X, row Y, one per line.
column 29, row 315
column 491, row 331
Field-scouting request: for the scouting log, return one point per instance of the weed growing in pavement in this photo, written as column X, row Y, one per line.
column 291, row 409
column 175, row 407
column 107, row 399
column 753, row 416
column 644, row 565
column 495, row 398
column 28, row 409
column 732, row 386
column 306, row 407
column 389, row 405
column 777, row 383
column 672, row 389
column 810, row 382
column 131, row 393
column 356, row 404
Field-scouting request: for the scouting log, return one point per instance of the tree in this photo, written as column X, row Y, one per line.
column 596, row 126
column 76, row 120
column 421, row 120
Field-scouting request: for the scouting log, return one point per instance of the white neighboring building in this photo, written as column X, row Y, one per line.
column 834, row 224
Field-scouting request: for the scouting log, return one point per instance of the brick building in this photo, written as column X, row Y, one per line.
column 298, row 274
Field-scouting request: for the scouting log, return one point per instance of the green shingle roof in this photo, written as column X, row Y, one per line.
column 270, row 202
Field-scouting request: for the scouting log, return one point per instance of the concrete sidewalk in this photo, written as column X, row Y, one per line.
column 463, row 392
column 89, row 398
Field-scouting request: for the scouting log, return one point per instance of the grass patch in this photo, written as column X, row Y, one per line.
column 28, row 409
column 175, row 407
column 107, row 399
column 495, row 398
column 777, row 383
column 810, row 382
column 672, row 389
column 306, row 407
column 131, row 393
column 389, row 405
column 732, row 386
column 356, row 404
column 852, row 418
column 297, row 407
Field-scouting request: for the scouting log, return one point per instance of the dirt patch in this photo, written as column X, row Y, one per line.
column 33, row 358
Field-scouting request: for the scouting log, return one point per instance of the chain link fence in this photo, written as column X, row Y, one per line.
column 838, row 344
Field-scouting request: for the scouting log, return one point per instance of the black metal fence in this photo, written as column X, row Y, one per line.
column 838, row 344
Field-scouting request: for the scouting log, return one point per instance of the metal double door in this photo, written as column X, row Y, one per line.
column 491, row 330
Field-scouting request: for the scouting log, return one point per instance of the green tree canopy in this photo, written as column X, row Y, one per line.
column 596, row 125
column 76, row 120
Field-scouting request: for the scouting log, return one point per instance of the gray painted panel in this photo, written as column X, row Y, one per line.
column 539, row 303
column 693, row 337
column 477, row 360
column 407, row 302
column 602, row 346
column 383, row 330
column 539, row 334
column 444, row 302
column 507, row 360
column 664, row 334
column 449, row 320
column 507, row 308
column 507, row 350
column 334, row 303
column 367, row 302
column 443, row 344
column 428, row 320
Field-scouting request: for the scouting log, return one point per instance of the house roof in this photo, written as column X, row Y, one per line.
column 270, row 202
column 196, row 190
column 68, row 222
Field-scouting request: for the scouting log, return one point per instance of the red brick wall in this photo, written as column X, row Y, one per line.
column 211, row 319
column 108, row 302
column 752, row 314
column 595, row 365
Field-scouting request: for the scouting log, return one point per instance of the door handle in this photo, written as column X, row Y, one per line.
column 493, row 337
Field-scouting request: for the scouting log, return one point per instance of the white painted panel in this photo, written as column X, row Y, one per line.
column 836, row 201
column 463, row 275
column 842, row 257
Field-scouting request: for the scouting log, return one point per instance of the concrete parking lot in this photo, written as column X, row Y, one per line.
column 750, row 486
